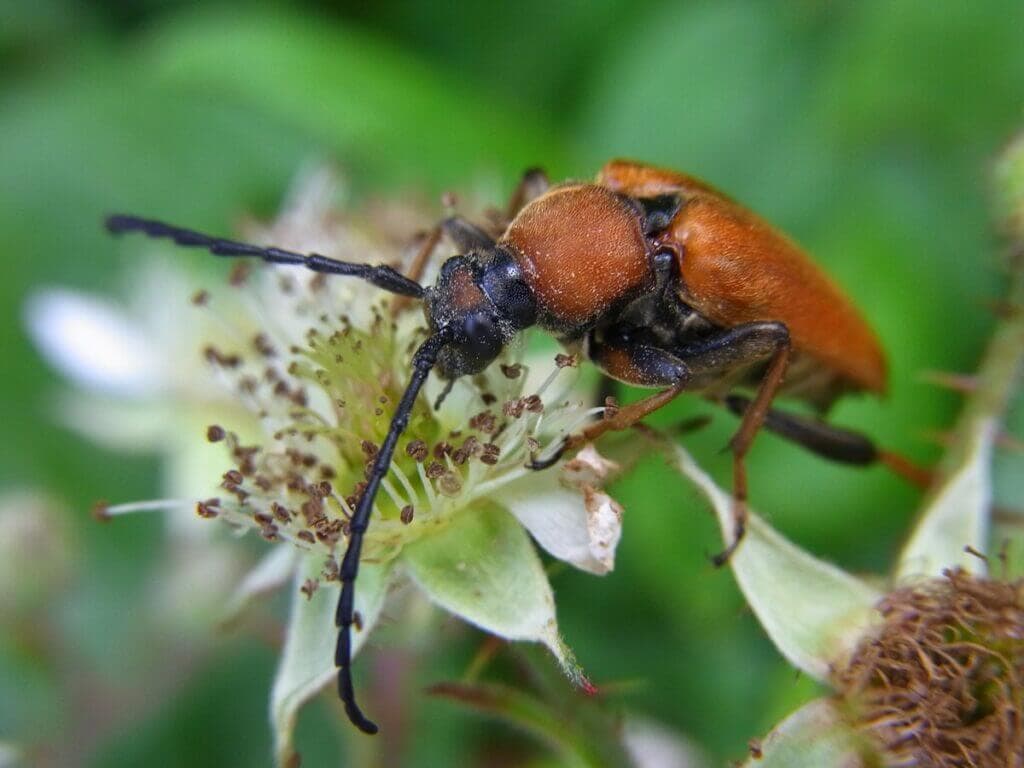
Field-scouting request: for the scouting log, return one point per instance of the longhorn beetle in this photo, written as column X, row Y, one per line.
column 661, row 280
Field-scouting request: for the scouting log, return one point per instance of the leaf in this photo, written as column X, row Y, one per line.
column 814, row 612
column 535, row 717
column 812, row 737
column 307, row 661
column 484, row 569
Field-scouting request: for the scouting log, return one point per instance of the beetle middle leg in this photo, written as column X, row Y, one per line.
column 736, row 348
column 691, row 366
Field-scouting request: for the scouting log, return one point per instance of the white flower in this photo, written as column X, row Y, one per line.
column 303, row 374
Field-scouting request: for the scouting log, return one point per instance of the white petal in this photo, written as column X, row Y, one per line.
column 10, row 755
column 653, row 745
column 483, row 568
column 118, row 424
column 307, row 661
column 93, row 343
column 581, row 527
column 812, row 737
column 957, row 514
column 814, row 612
column 273, row 570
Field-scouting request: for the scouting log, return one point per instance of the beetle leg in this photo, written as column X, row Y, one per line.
column 751, row 338
column 431, row 240
column 533, row 184
column 829, row 442
column 466, row 235
column 710, row 359
column 833, row 443
column 637, row 364
column 463, row 233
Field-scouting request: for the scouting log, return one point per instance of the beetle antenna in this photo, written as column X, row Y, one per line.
column 422, row 362
column 382, row 276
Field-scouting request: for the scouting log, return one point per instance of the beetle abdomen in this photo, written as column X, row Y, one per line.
column 581, row 249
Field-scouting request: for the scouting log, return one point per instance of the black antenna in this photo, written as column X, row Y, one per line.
column 382, row 276
column 422, row 362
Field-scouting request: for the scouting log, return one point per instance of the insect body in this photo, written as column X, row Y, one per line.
column 660, row 280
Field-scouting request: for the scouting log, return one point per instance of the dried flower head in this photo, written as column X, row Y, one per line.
column 941, row 681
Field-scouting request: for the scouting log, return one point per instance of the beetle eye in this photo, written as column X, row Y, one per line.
column 483, row 339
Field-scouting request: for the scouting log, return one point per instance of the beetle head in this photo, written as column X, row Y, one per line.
column 481, row 302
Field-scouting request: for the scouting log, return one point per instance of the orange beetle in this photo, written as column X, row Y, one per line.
column 659, row 279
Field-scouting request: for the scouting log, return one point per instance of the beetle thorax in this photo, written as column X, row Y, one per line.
column 582, row 251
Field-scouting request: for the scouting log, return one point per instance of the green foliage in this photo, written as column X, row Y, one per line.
column 864, row 129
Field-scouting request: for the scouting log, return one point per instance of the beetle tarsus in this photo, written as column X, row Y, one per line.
column 549, row 461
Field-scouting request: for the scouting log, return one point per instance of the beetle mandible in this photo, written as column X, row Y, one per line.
column 661, row 280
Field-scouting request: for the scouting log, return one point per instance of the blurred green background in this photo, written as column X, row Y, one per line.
column 865, row 129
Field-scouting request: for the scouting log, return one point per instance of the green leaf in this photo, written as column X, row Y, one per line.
column 813, row 611
column 812, row 737
column 307, row 661
column 484, row 568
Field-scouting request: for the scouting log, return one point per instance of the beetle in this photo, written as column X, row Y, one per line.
column 659, row 279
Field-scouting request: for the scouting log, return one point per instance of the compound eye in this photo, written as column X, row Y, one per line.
column 483, row 339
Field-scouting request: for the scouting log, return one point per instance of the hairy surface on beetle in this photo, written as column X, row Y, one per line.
column 942, row 681
column 582, row 251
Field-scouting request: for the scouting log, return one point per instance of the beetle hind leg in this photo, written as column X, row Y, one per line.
column 833, row 443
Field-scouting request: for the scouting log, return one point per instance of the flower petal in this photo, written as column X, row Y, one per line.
column 93, row 343
column 957, row 515
column 813, row 611
column 10, row 755
column 307, row 661
column 813, row 736
column 119, row 424
column 653, row 745
column 273, row 570
column 581, row 527
column 483, row 568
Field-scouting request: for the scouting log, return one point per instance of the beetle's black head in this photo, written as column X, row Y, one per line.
column 481, row 301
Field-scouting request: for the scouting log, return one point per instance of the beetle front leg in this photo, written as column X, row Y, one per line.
column 633, row 363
